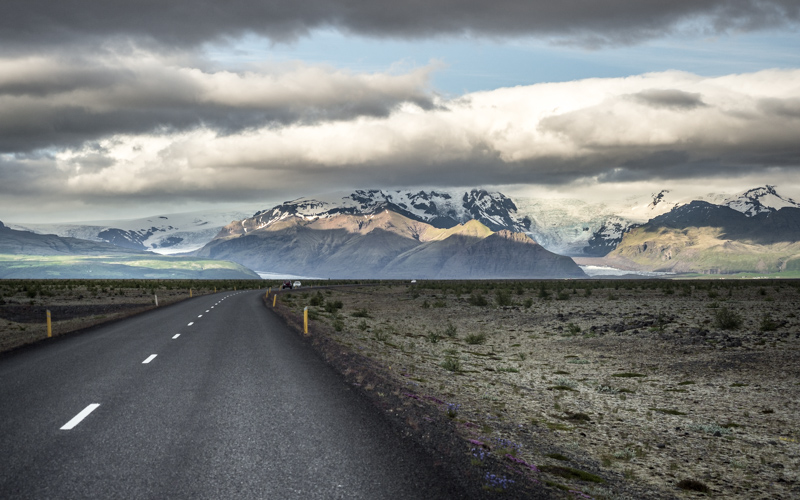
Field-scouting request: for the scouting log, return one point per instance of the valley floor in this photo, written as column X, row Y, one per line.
column 610, row 389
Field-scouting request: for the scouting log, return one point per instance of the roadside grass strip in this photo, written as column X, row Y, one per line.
column 79, row 417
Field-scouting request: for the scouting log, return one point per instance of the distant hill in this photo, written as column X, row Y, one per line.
column 164, row 234
column 17, row 242
column 26, row 255
column 377, row 242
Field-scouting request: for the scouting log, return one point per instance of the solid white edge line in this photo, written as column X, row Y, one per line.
column 190, row 323
column 149, row 359
column 176, row 336
column 80, row 416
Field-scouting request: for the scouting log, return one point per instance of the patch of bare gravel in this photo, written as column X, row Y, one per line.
column 636, row 383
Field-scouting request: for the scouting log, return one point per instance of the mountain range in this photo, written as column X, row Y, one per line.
column 164, row 234
column 27, row 255
column 652, row 232
column 372, row 240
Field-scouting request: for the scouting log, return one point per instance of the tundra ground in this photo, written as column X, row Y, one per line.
column 607, row 389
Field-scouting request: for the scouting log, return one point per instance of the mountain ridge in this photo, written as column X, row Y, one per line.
column 386, row 245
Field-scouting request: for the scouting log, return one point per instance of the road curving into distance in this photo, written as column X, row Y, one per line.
column 213, row 397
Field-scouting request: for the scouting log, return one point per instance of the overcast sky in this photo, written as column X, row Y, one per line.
column 127, row 109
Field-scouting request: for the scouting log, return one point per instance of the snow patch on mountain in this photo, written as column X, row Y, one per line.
column 440, row 208
column 759, row 200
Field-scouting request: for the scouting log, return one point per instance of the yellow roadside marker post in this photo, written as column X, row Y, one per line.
column 190, row 293
column 49, row 325
column 305, row 320
column 215, row 289
column 274, row 299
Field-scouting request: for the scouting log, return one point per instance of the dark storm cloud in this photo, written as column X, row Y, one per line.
column 26, row 23
column 669, row 98
column 49, row 102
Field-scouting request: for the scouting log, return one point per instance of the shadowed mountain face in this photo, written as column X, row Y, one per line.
column 764, row 228
column 387, row 245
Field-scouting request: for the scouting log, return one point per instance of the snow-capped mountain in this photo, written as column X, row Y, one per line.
column 383, row 244
column 164, row 234
column 759, row 200
column 565, row 226
column 441, row 209
column 577, row 228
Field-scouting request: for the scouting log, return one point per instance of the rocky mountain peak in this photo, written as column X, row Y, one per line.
column 658, row 198
column 441, row 209
column 759, row 200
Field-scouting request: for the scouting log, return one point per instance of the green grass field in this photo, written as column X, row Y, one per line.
column 119, row 267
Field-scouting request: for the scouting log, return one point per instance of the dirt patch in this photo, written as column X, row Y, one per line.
column 630, row 389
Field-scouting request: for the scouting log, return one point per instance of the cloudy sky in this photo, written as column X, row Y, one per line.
column 126, row 109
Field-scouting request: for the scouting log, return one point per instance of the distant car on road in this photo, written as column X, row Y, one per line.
column 296, row 284
column 286, row 284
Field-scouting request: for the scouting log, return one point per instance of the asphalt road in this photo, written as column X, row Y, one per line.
column 232, row 405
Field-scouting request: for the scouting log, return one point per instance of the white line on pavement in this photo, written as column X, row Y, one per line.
column 206, row 310
column 149, row 359
column 80, row 416
column 190, row 323
column 199, row 315
column 176, row 336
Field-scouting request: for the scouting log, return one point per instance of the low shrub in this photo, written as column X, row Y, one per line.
column 478, row 300
column 693, row 485
column 452, row 364
column 727, row 319
column 475, row 338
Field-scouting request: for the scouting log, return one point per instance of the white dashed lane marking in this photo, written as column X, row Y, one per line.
column 190, row 323
column 176, row 336
column 149, row 359
column 80, row 416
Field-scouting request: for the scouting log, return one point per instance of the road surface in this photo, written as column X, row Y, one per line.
column 209, row 398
